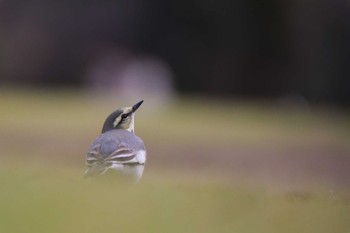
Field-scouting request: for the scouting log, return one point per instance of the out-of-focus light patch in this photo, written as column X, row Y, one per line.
column 147, row 78
column 133, row 78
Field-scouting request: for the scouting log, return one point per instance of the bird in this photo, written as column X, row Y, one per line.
column 117, row 146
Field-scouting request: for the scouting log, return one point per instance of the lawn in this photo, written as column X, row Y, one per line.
column 213, row 166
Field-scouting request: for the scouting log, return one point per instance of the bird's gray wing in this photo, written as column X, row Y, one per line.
column 109, row 149
column 121, row 154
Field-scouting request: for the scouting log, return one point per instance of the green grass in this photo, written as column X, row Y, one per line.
column 44, row 136
column 49, row 198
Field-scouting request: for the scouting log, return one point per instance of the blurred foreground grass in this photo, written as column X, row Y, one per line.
column 44, row 136
column 39, row 197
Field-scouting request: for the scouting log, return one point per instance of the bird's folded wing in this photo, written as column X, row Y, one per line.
column 121, row 154
column 93, row 156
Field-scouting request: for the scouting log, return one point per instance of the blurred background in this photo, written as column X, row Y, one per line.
column 245, row 119
column 249, row 48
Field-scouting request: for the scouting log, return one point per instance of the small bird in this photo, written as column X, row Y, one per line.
column 117, row 145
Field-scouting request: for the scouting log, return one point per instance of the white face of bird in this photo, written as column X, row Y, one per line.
column 122, row 118
column 125, row 120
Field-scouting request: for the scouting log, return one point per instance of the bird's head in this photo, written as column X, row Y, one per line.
column 122, row 118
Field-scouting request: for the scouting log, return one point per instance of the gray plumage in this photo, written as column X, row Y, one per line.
column 118, row 145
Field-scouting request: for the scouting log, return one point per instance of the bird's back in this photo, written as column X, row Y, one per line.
column 117, row 145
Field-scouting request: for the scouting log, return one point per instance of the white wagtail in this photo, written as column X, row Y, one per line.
column 118, row 145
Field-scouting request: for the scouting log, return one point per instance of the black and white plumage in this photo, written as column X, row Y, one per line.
column 117, row 146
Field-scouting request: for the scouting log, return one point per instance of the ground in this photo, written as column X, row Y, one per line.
column 242, row 166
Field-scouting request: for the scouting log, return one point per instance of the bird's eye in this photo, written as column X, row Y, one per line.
column 124, row 116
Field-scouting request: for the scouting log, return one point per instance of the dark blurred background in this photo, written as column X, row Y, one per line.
column 244, row 48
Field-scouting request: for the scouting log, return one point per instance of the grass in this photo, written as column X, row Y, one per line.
column 50, row 198
column 44, row 136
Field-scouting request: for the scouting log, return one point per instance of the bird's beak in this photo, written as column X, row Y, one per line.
column 136, row 106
